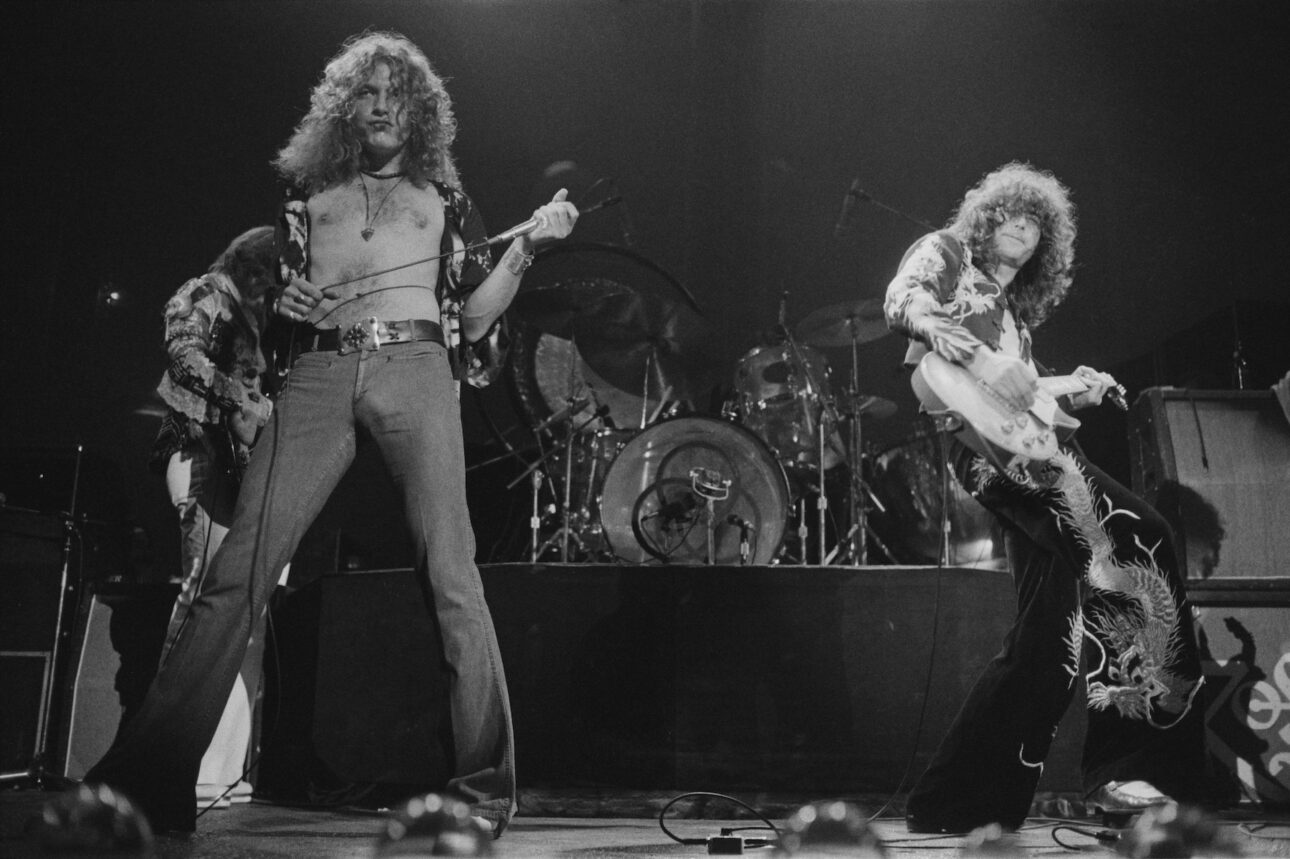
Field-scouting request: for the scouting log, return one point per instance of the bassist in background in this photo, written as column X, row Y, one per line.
column 1093, row 565
column 212, row 388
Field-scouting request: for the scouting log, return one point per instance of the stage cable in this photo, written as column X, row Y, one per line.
column 726, row 832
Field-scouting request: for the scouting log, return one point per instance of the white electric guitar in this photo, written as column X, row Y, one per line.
column 993, row 428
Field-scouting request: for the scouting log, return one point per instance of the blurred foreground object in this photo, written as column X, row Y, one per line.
column 433, row 825
column 94, row 820
column 1176, row 830
column 829, row 829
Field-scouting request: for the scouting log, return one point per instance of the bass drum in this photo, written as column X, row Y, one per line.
column 907, row 478
column 650, row 510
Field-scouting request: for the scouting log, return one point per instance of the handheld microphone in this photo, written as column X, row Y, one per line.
column 848, row 205
column 533, row 223
column 515, row 232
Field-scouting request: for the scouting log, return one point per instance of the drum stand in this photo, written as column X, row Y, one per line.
column 851, row 549
column 38, row 773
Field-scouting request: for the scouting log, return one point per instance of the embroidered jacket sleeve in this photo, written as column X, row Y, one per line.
column 292, row 238
column 214, row 354
column 478, row 363
column 937, row 285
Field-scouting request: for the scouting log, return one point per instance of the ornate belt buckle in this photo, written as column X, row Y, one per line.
column 360, row 333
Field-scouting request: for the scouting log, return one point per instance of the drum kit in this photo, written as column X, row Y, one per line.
column 609, row 370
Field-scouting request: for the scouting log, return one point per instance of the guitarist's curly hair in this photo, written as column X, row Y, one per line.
column 1013, row 189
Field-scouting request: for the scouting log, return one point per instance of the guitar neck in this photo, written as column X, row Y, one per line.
column 1060, row 386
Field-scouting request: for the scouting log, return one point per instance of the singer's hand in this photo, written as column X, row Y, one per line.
column 555, row 221
column 298, row 299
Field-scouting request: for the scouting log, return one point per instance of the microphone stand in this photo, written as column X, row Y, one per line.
column 38, row 772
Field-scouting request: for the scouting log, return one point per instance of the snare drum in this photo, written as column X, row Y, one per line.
column 650, row 508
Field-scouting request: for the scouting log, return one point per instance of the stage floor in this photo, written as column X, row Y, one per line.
column 265, row 830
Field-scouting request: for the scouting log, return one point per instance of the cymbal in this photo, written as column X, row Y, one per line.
column 556, row 306
column 637, row 342
column 844, row 323
column 866, row 406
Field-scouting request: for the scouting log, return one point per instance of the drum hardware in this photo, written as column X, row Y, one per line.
column 565, row 532
column 847, row 323
column 535, row 518
column 711, row 487
column 945, row 423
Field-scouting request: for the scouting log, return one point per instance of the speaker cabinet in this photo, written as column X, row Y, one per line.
column 356, row 696
column 1243, row 629
column 1216, row 464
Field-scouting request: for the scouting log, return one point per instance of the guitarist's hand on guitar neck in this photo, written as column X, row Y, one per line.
column 1011, row 379
column 1099, row 384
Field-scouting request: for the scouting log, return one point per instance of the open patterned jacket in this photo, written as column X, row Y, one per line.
column 477, row 363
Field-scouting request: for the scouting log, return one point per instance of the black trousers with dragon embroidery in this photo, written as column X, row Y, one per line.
column 1096, row 575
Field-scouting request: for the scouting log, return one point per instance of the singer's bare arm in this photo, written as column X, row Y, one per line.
column 555, row 220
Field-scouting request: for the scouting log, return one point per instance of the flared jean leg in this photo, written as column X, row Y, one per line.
column 407, row 402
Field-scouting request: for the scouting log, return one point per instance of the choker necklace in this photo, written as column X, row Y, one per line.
column 395, row 174
column 369, row 217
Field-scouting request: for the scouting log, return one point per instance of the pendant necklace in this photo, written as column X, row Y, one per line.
column 369, row 217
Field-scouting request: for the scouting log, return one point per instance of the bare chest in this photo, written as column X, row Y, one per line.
column 370, row 251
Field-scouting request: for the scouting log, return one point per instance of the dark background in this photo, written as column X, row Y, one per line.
column 140, row 136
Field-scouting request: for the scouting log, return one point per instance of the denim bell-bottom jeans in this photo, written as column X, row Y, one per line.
column 404, row 397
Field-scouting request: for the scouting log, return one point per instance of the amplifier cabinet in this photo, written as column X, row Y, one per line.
column 1216, row 464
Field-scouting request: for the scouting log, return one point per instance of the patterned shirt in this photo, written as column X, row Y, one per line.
column 214, row 347
column 478, row 363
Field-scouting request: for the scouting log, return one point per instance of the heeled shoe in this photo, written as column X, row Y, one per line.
column 1121, row 796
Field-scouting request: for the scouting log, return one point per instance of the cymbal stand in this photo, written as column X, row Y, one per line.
column 858, row 549
column 859, row 494
column 535, row 519
column 565, row 532
column 38, row 772
column 828, row 411
column 822, row 505
column 649, row 357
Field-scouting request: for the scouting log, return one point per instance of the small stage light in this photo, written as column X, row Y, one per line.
column 829, row 829
column 433, row 825
column 94, row 820
column 1176, row 830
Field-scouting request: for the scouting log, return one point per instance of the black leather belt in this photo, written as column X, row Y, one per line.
column 370, row 335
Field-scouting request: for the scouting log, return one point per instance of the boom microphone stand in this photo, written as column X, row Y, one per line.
column 38, row 773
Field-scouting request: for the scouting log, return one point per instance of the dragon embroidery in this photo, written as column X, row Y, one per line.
column 1138, row 644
